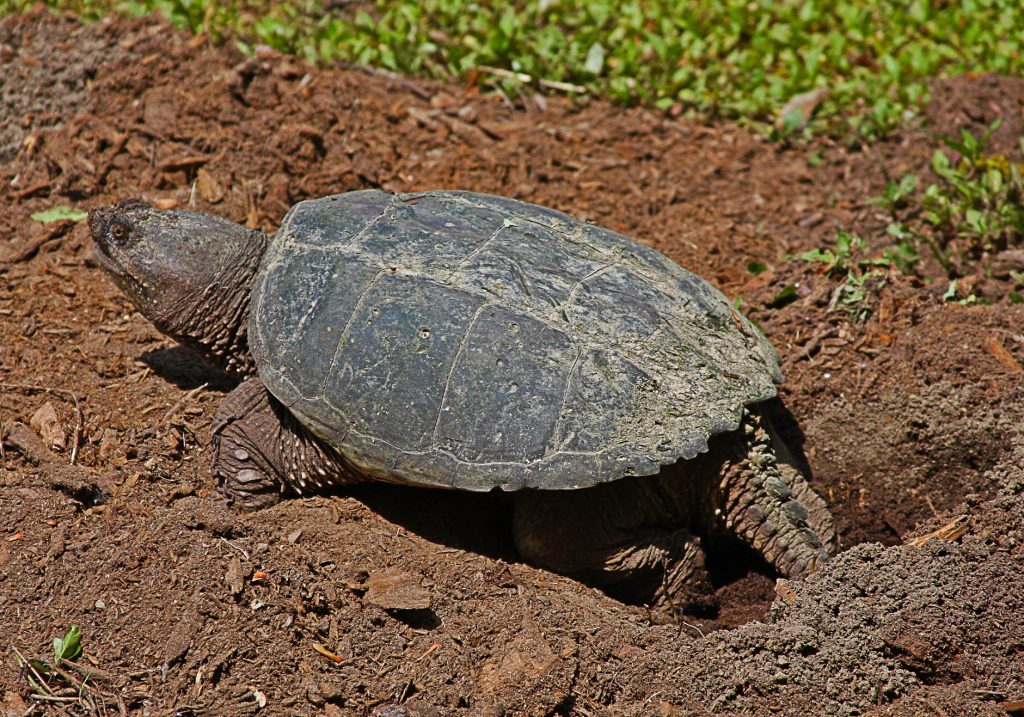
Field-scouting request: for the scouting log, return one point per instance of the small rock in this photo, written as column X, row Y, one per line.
column 391, row 711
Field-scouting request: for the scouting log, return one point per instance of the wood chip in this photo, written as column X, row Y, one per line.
column 176, row 165
column 234, row 577
column 949, row 532
column 47, row 424
column 337, row 659
column 995, row 347
column 209, row 188
column 393, row 589
column 784, row 589
column 1014, row 707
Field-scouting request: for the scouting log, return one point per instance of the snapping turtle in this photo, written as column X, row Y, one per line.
column 461, row 340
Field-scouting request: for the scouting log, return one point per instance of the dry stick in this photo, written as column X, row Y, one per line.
column 25, row 664
column 394, row 77
column 531, row 80
column 180, row 402
column 29, row 191
column 811, row 347
column 104, row 170
column 87, row 670
column 53, row 698
column 79, row 419
column 53, row 234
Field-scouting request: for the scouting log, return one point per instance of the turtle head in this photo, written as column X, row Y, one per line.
column 188, row 272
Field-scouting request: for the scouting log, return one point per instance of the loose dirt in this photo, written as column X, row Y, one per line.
column 910, row 421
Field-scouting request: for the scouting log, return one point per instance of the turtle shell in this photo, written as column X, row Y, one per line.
column 471, row 341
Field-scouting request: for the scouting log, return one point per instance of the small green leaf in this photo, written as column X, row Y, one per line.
column 950, row 294
column 756, row 267
column 43, row 668
column 1016, row 297
column 59, row 214
column 69, row 647
column 823, row 256
column 786, row 296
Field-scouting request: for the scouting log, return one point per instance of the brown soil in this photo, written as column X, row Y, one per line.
column 909, row 421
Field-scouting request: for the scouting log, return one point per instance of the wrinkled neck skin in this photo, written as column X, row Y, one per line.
column 215, row 322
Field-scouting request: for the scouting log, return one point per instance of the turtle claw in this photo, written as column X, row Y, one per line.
column 244, row 450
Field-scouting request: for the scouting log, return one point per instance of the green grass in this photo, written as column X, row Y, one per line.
column 732, row 58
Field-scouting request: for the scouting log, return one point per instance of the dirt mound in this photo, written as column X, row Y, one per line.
column 315, row 606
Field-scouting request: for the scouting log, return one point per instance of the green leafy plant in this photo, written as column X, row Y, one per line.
column 728, row 58
column 898, row 193
column 977, row 207
column 48, row 678
column 68, row 647
column 974, row 210
column 860, row 276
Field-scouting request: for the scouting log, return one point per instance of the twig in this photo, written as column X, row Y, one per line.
column 76, row 436
column 87, row 670
column 811, row 347
column 57, row 231
column 80, row 686
column 29, row 191
column 949, row 532
column 397, row 79
column 180, row 402
column 26, row 665
column 53, row 698
column 531, row 80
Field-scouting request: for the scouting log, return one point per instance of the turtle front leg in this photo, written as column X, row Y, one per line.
column 261, row 453
column 765, row 501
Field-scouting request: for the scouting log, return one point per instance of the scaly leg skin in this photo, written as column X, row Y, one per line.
column 261, row 453
column 767, row 504
column 634, row 538
column 622, row 537
column 819, row 518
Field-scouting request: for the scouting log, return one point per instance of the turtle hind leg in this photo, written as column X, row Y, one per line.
column 766, row 503
column 619, row 537
column 261, row 452
column 819, row 517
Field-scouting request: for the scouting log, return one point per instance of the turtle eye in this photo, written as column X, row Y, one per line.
column 119, row 231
